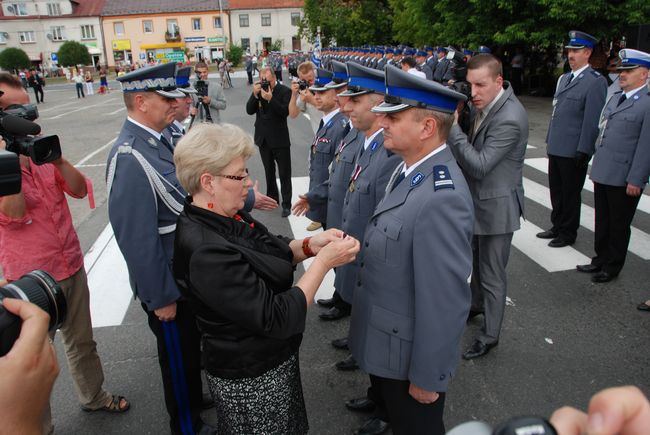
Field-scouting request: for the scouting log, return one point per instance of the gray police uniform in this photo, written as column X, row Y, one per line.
column 366, row 187
column 573, row 129
column 441, row 70
column 322, row 152
column 339, row 180
column 426, row 69
column 622, row 156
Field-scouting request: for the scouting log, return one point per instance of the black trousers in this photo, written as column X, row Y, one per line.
column 407, row 416
column 190, row 342
column 80, row 90
column 278, row 75
column 565, row 182
column 614, row 213
column 281, row 156
column 38, row 90
column 250, row 77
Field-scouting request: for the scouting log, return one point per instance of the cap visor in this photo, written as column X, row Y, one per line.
column 188, row 90
column 626, row 66
column 334, row 85
column 577, row 47
column 352, row 93
column 318, row 88
column 389, row 108
column 171, row 94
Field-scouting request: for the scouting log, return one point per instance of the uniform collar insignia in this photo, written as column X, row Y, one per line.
column 152, row 142
column 416, row 179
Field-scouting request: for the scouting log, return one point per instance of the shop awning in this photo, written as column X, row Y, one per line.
column 165, row 45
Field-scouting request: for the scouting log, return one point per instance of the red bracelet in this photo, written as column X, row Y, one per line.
column 305, row 247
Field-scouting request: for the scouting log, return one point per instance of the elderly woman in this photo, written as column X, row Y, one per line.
column 239, row 279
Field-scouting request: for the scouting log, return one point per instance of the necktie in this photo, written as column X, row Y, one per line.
column 165, row 142
column 620, row 100
column 569, row 81
column 320, row 125
column 398, row 180
column 346, row 130
column 477, row 123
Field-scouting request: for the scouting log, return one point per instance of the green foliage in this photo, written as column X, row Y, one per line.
column 13, row 59
column 276, row 45
column 234, row 54
column 73, row 53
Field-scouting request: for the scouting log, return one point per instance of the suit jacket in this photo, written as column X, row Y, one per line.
column 339, row 179
column 217, row 101
column 623, row 146
column 136, row 214
column 375, row 166
column 492, row 161
column 576, row 109
column 413, row 296
column 271, row 118
column 426, row 69
column 441, row 69
column 322, row 152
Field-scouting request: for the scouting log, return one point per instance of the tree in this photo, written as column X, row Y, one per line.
column 13, row 59
column 277, row 45
column 234, row 54
column 73, row 53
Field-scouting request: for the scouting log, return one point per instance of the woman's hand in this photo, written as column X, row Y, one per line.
column 339, row 252
column 317, row 242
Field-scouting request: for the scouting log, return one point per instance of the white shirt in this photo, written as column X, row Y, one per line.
column 412, row 168
column 417, row 73
column 154, row 133
column 179, row 125
column 634, row 91
column 327, row 118
column 482, row 114
column 576, row 73
column 368, row 140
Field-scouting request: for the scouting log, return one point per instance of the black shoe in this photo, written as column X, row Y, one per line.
column 588, row 268
column 286, row 212
column 340, row 343
column 334, row 313
column 326, row 303
column 207, row 429
column 473, row 314
column 550, row 234
column 477, row 349
column 559, row 242
column 207, row 402
column 643, row 307
column 360, row 404
column 348, row 364
column 374, row 426
column 602, row 277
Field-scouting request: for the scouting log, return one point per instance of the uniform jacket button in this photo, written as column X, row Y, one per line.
column 366, row 244
column 395, row 330
column 442, row 377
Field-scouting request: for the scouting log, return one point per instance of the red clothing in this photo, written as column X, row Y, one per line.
column 45, row 237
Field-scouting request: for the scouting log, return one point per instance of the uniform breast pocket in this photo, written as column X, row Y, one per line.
column 365, row 205
column 390, row 339
column 323, row 154
column 386, row 240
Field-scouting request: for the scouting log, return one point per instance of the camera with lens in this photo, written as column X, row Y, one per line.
column 460, row 84
column 266, row 85
column 201, row 87
column 18, row 131
column 39, row 288
column 302, row 85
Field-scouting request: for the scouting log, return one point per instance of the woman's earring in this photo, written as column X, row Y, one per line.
column 210, row 205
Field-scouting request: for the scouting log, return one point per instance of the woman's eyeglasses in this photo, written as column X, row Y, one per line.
column 235, row 177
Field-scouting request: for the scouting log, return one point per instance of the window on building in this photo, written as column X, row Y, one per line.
column 243, row 20
column 53, row 9
column 17, row 8
column 266, row 19
column 216, row 22
column 295, row 43
column 118, row 28
column 87, row 31
column 27, row 36
column 58, row 33
column 245, row 43
column 266, row 43
column 147, row 26
column 172, row 27
column 3, row 40
column 196, row 23
column 295, row 18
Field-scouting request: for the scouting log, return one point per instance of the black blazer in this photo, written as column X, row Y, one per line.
column 239, row 281
column 271, row 117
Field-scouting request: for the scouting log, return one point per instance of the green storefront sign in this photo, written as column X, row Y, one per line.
column 218, row 39
column 176, row 56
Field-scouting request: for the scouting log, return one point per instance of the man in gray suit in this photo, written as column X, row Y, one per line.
column 492, row 158
column 213, row 101
column 621, row 165
column 579, row 98
column 412, row 293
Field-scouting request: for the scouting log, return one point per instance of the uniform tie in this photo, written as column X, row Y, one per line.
column 165, row 142
column 620, row 100
column 398, row 180
column 569, row 81
column 320, row 125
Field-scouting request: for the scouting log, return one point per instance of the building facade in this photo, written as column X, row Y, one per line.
column 40, row 27
column 164, row 31
column 257, row 24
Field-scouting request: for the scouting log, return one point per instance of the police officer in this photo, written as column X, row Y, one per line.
column 421, row 58
column 144, row 224
column 332, row 129
column 412, row 294
column 579, row 98
column 621, row 165
column 440, row 72
column 176, row 129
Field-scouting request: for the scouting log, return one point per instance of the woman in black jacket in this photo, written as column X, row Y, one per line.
column 239, row 279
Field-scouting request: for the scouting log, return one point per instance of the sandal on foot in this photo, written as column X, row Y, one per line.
column 113, row 406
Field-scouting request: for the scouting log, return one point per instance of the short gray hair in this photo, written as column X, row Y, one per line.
column 209, row 148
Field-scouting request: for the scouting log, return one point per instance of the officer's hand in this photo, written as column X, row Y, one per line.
column 317, row 242
column 206, row 99
column 582, row 159
column 28, row 371
column 257, row 88
column 267, row 95
column 632, row 190
column 301, row 206
column 193, row 111
column 423, row 396
column 621, row 410
column 339, row 252
column 263, row 202
column 166, row 313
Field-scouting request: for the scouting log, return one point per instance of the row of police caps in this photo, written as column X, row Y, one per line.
column 405, row 51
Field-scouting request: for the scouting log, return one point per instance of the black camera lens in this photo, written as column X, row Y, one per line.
column 39, row 288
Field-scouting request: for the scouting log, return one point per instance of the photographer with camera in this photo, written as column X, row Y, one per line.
column 302, row 99
column 210, row 98
column 36, row 232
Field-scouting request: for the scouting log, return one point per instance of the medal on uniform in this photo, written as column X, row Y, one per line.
column 339, row 151
column 353, row 178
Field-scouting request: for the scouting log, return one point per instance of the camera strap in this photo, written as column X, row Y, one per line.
column 156, row 181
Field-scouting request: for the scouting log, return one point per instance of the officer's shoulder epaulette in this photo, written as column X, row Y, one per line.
column 595, row 73
column 442, row 178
